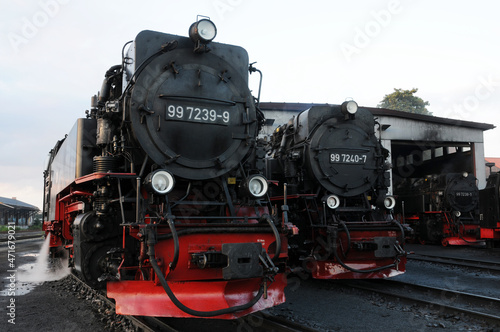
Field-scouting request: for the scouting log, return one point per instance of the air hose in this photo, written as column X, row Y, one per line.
column 380, row 268
column 151, row 241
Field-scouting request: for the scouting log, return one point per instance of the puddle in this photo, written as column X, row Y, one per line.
column 30, row 275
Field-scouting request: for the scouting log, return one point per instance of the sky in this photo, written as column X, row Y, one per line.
column 54, row 53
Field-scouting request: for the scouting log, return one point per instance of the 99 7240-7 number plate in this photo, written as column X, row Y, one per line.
column 347, row 158
column 197, row 114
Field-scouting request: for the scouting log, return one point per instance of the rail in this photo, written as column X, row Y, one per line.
column 445, row 300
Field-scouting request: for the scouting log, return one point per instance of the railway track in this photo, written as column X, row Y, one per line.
column 21, row 236
column 446, row 301
column 456, row 261
column 264, row 322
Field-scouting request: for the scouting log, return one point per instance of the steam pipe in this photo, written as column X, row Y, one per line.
column 138, row 183
column 344, row 226
column 106, row 84
column 252, row 69
column 276, row 235
column 173, row 263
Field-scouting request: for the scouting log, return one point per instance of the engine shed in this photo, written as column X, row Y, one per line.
column 420, row 146
column 13, row 211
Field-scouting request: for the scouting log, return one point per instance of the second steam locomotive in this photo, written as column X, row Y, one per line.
column 331, row 174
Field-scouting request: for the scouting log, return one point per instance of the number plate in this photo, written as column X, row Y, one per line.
column 348, row 158
column 463, row 194
column 197, row 114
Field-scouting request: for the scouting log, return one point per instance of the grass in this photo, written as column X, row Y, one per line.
column 37, row 227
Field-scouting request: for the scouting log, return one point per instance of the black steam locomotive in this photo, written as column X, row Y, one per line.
column 442, row 208
column 159, row 192
column 331, row 175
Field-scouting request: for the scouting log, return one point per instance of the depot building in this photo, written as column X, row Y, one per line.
column 419, row 145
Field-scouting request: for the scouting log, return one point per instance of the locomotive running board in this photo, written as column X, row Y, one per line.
column 144, row 298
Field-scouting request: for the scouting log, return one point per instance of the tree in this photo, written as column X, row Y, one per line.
column 406, row 101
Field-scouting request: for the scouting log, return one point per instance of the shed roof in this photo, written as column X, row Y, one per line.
column 11, row 203
column 297, row 107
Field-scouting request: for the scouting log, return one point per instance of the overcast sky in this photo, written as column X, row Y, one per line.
column 54, row 54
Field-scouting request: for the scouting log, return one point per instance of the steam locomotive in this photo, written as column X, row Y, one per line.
column 158, row 193
column 329, row 172
column 443, row 208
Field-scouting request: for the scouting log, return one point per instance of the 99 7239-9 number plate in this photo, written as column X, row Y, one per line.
column 197, row 114
column 347, row 158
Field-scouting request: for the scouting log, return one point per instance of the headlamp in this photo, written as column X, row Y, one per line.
column 257, row 186
column 332, row 201
column 160, row 182
column 203, row 31
column 389, row 202
column 349, row 107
